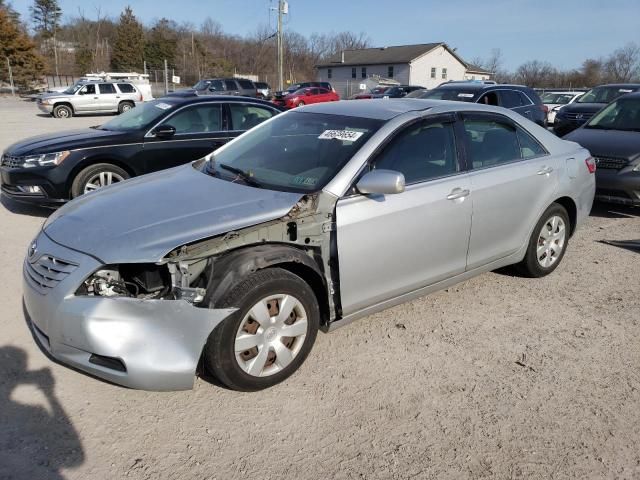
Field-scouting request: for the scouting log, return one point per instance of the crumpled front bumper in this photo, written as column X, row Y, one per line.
column 159, row 342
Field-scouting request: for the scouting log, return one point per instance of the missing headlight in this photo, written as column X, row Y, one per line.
column 130, row 280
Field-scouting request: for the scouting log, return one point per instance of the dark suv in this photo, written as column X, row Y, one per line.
column 226, row 86
column 520, row 99
column 579, row 112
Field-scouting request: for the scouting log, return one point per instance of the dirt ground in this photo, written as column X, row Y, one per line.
column 499, row 377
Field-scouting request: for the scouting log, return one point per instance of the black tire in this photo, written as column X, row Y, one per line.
column 125, row 107
column 62, row 111
column 219, row 356
column 530, row 265
column 84, row 176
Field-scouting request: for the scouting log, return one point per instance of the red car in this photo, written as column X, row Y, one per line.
column 307, row 96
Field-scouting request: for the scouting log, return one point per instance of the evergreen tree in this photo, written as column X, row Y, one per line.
column 8, row 8
column 46, row 15
column 16, row 45
column 128, row 49
column 161, row 45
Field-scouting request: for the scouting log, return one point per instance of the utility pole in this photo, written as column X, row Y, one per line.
column 13, row 92
column 283, row 8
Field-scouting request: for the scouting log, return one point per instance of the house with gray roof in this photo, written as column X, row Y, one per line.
column 425, row 64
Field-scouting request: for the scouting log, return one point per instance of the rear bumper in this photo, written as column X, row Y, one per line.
column 621, row 187
column 144, row 344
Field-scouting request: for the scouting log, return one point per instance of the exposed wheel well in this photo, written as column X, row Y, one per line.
column 572, row 210
column 92, row 161
column 316, row 283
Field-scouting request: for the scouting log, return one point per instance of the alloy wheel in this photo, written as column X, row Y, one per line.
column 102, row 179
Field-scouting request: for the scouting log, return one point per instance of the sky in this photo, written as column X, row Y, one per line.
column 562, row 32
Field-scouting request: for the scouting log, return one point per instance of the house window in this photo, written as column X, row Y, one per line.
column 444, row 73
column 363, row 72
column 433, row 72
column 329, row 73
column 390, row 72
column 353, row 72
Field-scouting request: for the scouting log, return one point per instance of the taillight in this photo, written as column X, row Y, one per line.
column 545, row 109
column 140, row 99
column 591, row 164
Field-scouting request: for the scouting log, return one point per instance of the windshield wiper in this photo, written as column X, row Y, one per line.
column 246, row 176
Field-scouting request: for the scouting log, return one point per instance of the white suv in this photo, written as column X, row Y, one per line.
column 91, row 97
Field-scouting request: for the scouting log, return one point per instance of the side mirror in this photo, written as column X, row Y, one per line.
column 164, row 131
column 382, row 182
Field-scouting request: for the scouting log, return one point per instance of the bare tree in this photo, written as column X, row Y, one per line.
column 624, row 64
column 536, row 73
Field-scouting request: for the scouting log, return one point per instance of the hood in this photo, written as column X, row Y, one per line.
column 56, row 142
column 607, row 143
column 583, row 107
column 143, row 219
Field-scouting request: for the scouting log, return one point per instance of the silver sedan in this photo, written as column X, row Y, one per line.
column 309, row 221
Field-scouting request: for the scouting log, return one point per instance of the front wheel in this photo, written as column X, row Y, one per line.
column 301, row 103
column 96, row 176
column 270, row 335
column 62, row 111
column 548, row 242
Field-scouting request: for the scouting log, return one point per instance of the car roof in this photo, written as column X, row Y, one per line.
column 629, row 95
column 186, row 98
column 478, row 86
column 620, row 85
column 388, row 108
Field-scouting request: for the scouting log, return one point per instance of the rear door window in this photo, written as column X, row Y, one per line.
column 510, row 99
column 230, row 85
column 491, row 142
column 126, row 88
column 245, row 116
column 529, row 146
column 247, row 84
column 107, row 88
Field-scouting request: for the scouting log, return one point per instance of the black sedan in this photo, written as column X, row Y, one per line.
column 51, row 169
column 613, row 138
column 579, row 112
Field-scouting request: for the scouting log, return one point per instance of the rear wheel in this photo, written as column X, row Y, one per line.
column 269, row 336
column 125, row 107
column 548, row 242
column 301, row 103
column 62, row 111
column 96, row 176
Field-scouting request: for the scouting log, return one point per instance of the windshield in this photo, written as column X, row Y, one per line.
column 460, row 95
column 603, row 94
column 202, row 85
column 557, row 98
column 623, row 114
column 140, row 116
column 294, row 152
column 379, row 90
column 74, row 88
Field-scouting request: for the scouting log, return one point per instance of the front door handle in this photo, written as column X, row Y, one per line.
column 457, row 193
column 545, row 170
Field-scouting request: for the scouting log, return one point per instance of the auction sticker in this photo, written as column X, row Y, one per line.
column 163, row 106
column 348, row 135
column 465, row 95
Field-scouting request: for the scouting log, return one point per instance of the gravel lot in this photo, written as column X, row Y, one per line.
column 499, row 377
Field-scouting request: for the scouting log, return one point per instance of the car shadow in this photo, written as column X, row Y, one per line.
column 24, row 208
column 37, row 438
column 611, row 210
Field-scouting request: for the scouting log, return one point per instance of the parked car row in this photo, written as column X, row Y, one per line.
column 259, row 242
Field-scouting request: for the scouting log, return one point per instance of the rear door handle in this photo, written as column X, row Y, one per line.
column 545, row 170
column 457, row 193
